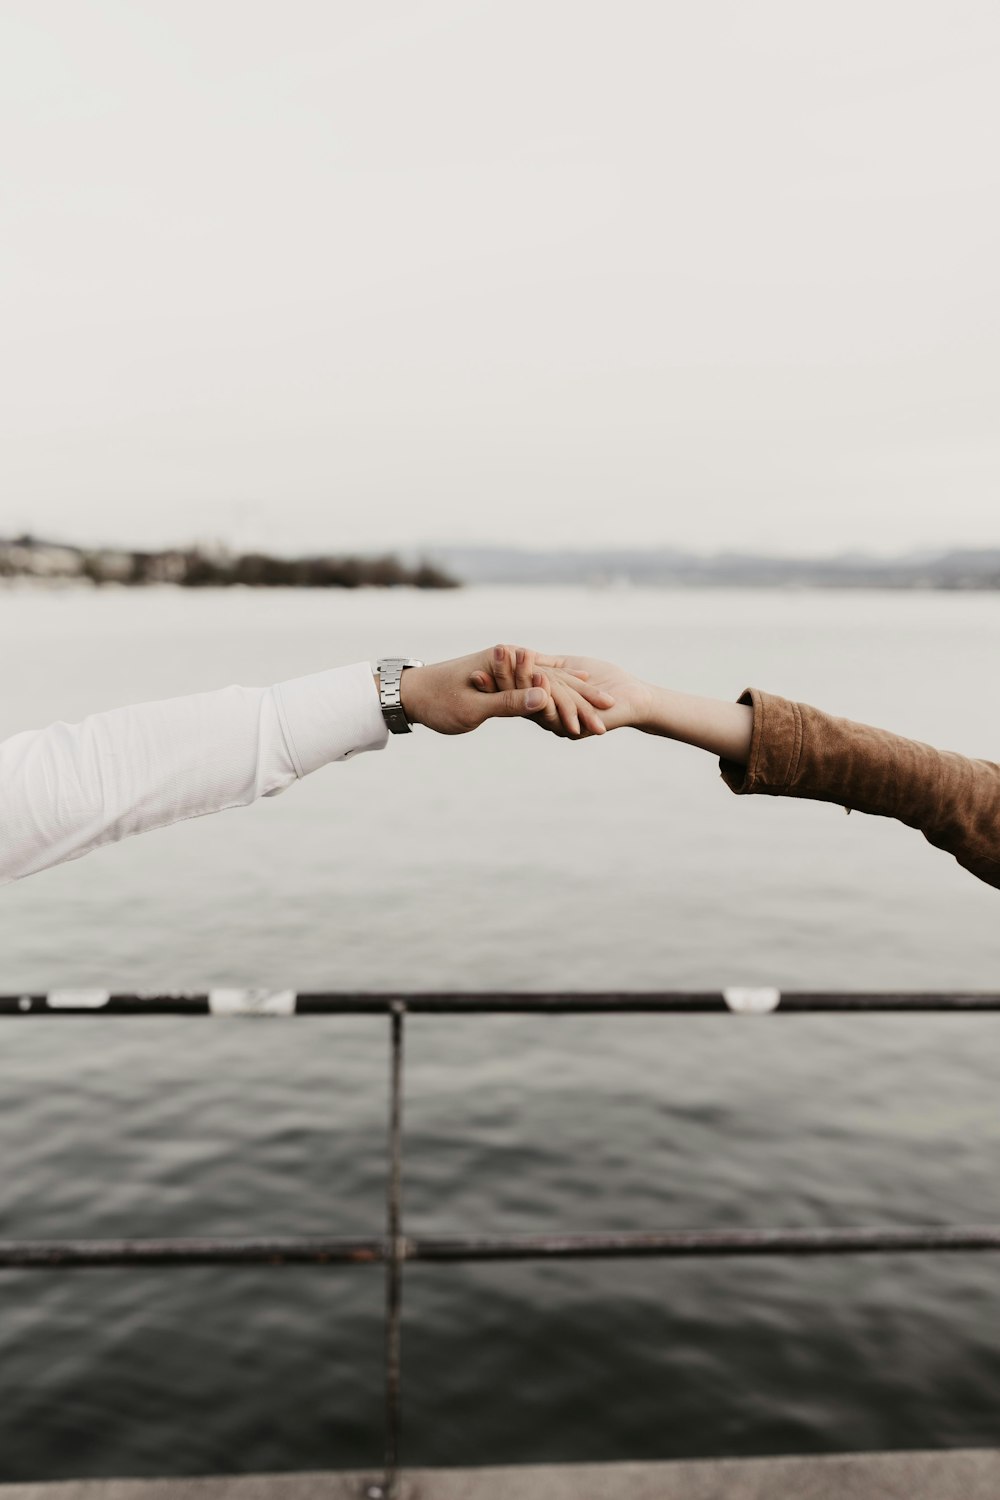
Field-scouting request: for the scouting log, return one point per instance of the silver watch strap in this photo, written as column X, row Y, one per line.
column 390, row 675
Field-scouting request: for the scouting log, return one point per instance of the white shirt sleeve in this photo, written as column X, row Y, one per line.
column 70, row 788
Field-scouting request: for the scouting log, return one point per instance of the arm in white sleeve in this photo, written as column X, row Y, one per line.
column 68, row 789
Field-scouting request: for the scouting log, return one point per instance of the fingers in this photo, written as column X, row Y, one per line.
column 571, row 707
column 512, row 666
column 590, row 718
column 560, row 662
column 503, row 668
column 579, row 704
column 497, row 675
column 599, row 697
column 548, row 718
column 566, row 704
column 524, row 667
column 525, row 660
column 514, row 703
column 570, row 715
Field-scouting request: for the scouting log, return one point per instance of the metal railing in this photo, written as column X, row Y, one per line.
column 394, row 1248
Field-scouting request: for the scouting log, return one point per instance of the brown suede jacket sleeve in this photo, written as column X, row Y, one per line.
column 798, row 751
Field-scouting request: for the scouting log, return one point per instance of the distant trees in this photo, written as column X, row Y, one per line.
column 258, row 570
column 196, row 567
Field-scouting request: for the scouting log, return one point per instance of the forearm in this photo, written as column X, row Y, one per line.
column 722, row 728
column 71, row 788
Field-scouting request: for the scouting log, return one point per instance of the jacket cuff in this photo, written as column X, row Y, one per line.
column 775, row 746
column 330, row 716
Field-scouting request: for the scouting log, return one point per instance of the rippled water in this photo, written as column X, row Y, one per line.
column 503, row 859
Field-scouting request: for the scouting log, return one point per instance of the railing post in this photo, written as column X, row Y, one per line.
column 394, row 1267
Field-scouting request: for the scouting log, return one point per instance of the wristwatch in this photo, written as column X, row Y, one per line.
column 390, row 672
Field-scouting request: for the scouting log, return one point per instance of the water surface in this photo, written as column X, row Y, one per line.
column 504, row 859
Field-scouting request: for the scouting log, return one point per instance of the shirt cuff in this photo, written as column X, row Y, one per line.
column 330, row 716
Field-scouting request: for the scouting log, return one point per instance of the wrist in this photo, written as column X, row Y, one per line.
column 711, row 724
column 410, row 685
column 655, row 710
column 389, row 673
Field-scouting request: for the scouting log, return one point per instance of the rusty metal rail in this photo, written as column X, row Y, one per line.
column 98, row 1003
column 394, row 1249
column 393, row 1252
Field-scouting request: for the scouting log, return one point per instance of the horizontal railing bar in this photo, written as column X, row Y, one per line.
column 683, row 1002
column 43, row 1255
column 697, row 1242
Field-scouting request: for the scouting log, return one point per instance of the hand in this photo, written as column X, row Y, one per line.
column 442, row 696
column 579, row 685
column 575, row 709
column 629, row 700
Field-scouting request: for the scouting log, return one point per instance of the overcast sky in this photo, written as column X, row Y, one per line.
column 312, row 274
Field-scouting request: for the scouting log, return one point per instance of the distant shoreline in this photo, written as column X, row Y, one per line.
column 971, row 569
column 29, row 559
column 198, row 567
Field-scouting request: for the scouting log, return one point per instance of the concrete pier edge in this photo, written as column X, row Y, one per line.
column 964, row 1474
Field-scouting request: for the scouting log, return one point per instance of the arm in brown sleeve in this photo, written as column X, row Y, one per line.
column 798, row 751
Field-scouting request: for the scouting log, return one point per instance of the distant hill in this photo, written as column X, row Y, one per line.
column 199, row 567
column 668, row 567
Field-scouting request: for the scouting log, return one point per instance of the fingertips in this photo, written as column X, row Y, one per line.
column 587, row 710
